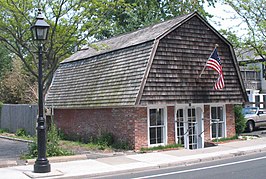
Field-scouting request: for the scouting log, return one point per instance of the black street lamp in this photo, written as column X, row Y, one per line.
column 40, row 32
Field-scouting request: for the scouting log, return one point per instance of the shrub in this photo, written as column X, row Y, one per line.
column 124, row 145
column 21, row 132
column 106, row 139
column 240, row 121
column 52, row 148
column 3, row 131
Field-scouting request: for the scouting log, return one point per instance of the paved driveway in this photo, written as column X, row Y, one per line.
column 11, row 150
column 261, row 132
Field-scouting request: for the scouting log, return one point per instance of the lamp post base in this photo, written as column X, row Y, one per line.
column 42, row 166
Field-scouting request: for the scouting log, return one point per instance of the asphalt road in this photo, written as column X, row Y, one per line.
column 260, row 132
column 244, row 167
column 11, row 150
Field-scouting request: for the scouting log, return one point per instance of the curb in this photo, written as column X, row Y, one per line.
column 16, row 139
column 173, row 164
column 8, row 163
column 60, row 159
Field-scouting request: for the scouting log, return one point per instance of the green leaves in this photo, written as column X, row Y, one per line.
column 253, row 15
column 78, row 22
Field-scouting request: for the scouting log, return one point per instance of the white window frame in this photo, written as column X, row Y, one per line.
column 224, row 122
column 164, row 126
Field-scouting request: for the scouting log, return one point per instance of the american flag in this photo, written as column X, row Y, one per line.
column 214, row 62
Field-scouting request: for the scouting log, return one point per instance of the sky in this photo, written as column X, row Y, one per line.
column 223, row 18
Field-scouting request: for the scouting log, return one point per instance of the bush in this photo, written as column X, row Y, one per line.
column 240, row 121
column 106, row 139
column 3, row 131
column 124, row 145
column 21, row 132
column 52, row 148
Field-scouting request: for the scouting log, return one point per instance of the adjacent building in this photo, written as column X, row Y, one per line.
column 253, row 74
column 144, row 87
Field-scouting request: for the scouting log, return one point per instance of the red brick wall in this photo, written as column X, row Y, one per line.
column 171, row 124
column 141, row 127
column 207, row 131
column 121, row 122
column 230, row 120
column 127, row 124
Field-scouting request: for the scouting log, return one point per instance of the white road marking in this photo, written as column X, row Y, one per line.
column 203, row 168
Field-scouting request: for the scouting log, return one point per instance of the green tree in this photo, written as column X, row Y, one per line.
column 16, row 86
column 78, row 22
column 73, row 23
column 5, row 61
column 134, row 14
column 253, row 15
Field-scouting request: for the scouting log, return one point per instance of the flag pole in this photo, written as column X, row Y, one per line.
column 216, row 45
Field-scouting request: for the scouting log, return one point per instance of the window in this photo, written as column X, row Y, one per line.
column 157, row 124
column 257, row 100
column 218, row 122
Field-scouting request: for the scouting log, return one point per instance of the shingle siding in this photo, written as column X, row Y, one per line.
column 180, row 58
column 107, row 80
column 159, row 64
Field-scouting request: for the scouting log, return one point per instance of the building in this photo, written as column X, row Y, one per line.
column 253, row 74
column 144, row 87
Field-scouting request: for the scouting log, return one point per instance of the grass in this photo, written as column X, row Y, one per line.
column 225, row 139
column 75, row 145
column 160, row 147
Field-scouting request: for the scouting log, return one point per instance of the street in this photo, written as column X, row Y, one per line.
column 244, row 167
column 11, row 150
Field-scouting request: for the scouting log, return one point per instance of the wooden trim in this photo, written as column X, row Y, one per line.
column 239, row 74
column 147, row 71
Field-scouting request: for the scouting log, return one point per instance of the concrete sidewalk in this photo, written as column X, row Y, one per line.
column 137, row 162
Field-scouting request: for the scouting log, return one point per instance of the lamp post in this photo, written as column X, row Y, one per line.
column 40, row 32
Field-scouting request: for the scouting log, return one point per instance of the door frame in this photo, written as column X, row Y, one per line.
column 199, row 112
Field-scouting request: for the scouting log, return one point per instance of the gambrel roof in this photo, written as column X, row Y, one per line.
column 158, row 64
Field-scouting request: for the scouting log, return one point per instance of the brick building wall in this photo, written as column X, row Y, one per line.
column 123, row 123
column 230, row 120
column 126, row 124
column 207, row 123
column 171, row 124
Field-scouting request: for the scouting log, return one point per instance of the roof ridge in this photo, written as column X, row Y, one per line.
column 132, row 38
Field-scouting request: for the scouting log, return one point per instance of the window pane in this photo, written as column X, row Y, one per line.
column 152, row 117
column 220, row 113
column 159, row 135
column 160, row 119
column 220, row 130
column 213, row 113
column 214, row 130
column 152, row 135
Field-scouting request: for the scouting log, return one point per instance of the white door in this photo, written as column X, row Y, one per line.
column 189, row 127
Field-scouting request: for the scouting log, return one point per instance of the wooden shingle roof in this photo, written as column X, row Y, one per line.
column 128, row 39
column 127, row 70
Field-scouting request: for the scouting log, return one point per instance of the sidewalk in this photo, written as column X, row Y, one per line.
column 137, row 162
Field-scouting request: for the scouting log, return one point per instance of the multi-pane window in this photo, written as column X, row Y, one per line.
column 180, row 126
column 156, row 126
column 218, row 122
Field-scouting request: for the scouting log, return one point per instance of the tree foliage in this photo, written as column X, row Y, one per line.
column 253, row 15
column 134, row 14
column 5, row 61
column 74, row 23
column 16, row 86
